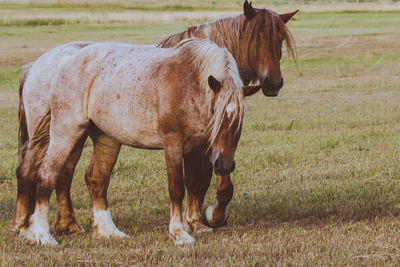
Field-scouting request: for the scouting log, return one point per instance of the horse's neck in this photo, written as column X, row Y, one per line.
column 226, row 33
column 223, row 32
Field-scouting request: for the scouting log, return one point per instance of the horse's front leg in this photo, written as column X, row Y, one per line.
column 198, row 173
column 105, row 154
column 66, row 221
column 217, row 214
column 173, row 158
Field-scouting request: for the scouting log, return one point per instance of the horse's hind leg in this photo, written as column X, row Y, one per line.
column 26, row 195
column 66, row 222
column 62, row 142
column 198, row 173
column 105, row 154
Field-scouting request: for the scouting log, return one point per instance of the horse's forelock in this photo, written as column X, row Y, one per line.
column 263, row 34
column 210, row 59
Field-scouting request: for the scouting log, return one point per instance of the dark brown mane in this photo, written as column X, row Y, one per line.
column 246, row 39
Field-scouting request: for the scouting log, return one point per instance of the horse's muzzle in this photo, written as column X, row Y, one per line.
column 220, row 169
column 271, row 89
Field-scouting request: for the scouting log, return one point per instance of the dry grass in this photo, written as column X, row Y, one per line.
column 317, row 179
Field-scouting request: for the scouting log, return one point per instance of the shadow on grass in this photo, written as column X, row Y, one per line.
column 314, row 205
column 340, row 203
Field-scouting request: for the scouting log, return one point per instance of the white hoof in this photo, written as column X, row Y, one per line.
column 183, row 238
column 38, row 235
column 105, row 227
column 211, row 220
column 39, row 230
column 108, row 233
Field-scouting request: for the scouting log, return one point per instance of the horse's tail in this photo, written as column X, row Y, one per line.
column 23, row 137
column 40, row 141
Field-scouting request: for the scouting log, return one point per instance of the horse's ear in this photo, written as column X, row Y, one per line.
column 248, row 9
column 286, row 17
column 214, row 84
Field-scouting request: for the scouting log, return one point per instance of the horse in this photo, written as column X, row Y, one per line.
column 176, row 99
column 255, row 40
column 237, row 34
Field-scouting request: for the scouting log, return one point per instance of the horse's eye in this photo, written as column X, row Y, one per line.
column 212, row 111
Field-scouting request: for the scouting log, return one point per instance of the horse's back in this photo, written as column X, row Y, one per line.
column 36, row 95
column 115, row 85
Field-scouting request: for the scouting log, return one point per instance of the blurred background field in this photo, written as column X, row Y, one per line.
column 318, row 168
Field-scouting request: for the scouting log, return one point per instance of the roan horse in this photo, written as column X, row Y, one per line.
column 254, row 38
column 176, row 99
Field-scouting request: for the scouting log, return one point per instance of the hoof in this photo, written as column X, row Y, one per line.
column 17, row 228
column 201, row 228
column 105, row 227
column 196, row 227
column 69, row 228
column 38, row 235
column 182, row 238
column 19, row 223
column 214, row 219
column 108, row 233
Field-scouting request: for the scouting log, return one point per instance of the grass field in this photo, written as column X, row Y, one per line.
column 318, row 168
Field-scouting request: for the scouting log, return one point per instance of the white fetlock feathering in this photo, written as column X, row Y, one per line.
column 178, row 234
column 39, row 230
column 105, row 225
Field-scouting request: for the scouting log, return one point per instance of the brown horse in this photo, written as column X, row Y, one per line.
column 255, row 40
column 176, row 99
column 255, row 62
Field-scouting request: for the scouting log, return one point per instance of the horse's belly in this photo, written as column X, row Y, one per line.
column 147, row 139
column 140, row 133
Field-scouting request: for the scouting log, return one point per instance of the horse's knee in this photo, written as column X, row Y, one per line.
column 45, row 186
column 43, row 191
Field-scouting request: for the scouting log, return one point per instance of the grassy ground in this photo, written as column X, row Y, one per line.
column 317, row 179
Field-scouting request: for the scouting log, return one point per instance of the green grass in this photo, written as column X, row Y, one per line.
column 317, row 177
column 10, row 77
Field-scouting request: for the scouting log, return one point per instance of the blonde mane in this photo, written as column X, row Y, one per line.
column 246, row 39
column 209, row 59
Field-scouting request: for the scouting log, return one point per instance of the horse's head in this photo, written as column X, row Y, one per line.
column 229, row 118
column 263, row 34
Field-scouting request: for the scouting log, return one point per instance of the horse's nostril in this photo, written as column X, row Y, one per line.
column 271, row 89
column 217, row 164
